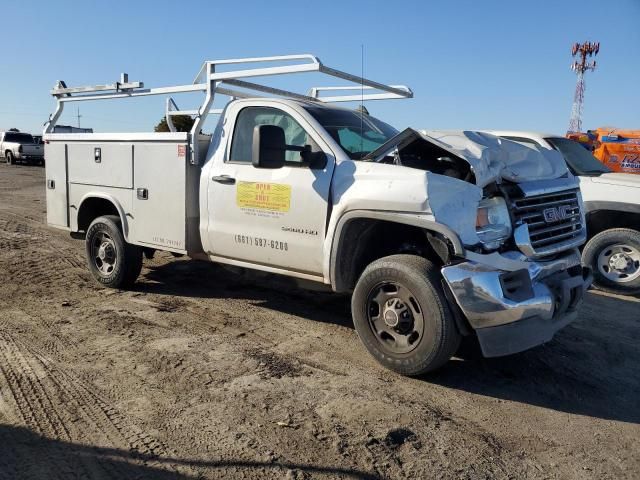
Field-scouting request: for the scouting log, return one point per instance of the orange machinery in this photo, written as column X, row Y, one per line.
column 617, row 149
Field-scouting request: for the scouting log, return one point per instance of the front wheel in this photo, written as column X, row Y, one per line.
column 614, row 256
column 112, row 261
column 402, row 316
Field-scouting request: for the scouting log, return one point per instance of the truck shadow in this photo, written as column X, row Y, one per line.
column 198, row 279
column 590, row 367
column 27, row 455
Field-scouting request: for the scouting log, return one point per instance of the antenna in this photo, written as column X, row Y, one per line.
column 580, row 66
column 78, row 116
column 362, row 97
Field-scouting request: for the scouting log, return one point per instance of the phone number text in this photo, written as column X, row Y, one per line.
column 260, row 242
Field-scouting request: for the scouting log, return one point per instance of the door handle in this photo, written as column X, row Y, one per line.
column 226, row 179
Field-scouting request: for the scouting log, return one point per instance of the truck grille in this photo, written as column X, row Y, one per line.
column 554, row 222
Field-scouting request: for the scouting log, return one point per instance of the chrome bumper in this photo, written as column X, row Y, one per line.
column 514, row 304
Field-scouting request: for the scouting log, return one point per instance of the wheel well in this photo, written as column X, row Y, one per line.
column 93, row 208
column 364, row 240
column 602, row 220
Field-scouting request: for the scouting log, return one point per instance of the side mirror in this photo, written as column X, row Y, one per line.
column 314, row 160
column 268, row 147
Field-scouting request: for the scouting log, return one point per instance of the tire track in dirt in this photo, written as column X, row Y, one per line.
column 40, row 272
column 56, row 405
column 44, row 329
column 33, row 403
column 16, row 235
column 36, row 230
column 40, row 266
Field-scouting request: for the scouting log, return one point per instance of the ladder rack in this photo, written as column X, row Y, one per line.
column 211, row 81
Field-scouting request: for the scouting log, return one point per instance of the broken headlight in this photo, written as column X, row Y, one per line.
column 493, row 224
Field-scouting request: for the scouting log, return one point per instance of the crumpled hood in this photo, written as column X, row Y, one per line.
column 490, row 157
column 493, row 157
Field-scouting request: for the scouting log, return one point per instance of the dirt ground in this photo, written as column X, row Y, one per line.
column 203, row 373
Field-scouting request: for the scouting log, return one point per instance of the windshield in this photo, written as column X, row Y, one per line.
column 18, row 137
column 581, row 161
column 358, row 134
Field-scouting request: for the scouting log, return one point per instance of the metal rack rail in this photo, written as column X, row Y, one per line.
column 212, row 81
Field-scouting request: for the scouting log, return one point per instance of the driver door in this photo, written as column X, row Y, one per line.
column 275, row 217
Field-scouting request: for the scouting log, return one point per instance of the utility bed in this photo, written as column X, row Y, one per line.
column 141, row 171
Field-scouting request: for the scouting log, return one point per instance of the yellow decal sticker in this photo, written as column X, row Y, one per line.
column 275, row 197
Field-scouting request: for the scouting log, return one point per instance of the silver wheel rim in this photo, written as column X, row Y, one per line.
column 395, row 317
column 103, row 254
column 619, row 263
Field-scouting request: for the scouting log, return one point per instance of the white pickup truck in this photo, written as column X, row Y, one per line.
column 436, row 235
column 612, row 208
column 20, row 147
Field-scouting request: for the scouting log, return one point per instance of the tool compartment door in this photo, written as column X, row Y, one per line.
column 56, row 185
column 159, row 218
column 105, row 164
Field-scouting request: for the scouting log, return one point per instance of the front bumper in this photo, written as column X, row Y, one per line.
column 515, row 304
column 22, row 156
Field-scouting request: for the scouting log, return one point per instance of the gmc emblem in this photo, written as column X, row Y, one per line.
column 555, row 214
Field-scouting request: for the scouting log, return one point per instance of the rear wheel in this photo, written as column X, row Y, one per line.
column 614, row 256
column 401, row 315
column 112, row 261
column 10, row 159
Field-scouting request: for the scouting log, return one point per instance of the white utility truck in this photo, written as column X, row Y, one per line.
column 436, row 235
column 612, row 210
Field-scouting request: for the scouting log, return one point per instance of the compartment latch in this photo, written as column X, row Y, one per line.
column 142, row 194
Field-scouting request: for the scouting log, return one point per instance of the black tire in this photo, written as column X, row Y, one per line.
column 603, row 246
column 10, row 159
column 112, row 261
column 420, row 281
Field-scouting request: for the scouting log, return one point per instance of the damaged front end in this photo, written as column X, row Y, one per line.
column 470, row 177
column 518, row 212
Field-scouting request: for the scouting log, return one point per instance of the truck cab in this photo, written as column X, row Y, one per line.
column 436, row 235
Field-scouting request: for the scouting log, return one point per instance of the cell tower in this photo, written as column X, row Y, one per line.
column 580, row 66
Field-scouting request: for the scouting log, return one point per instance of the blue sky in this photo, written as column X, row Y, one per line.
column 471, row 64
